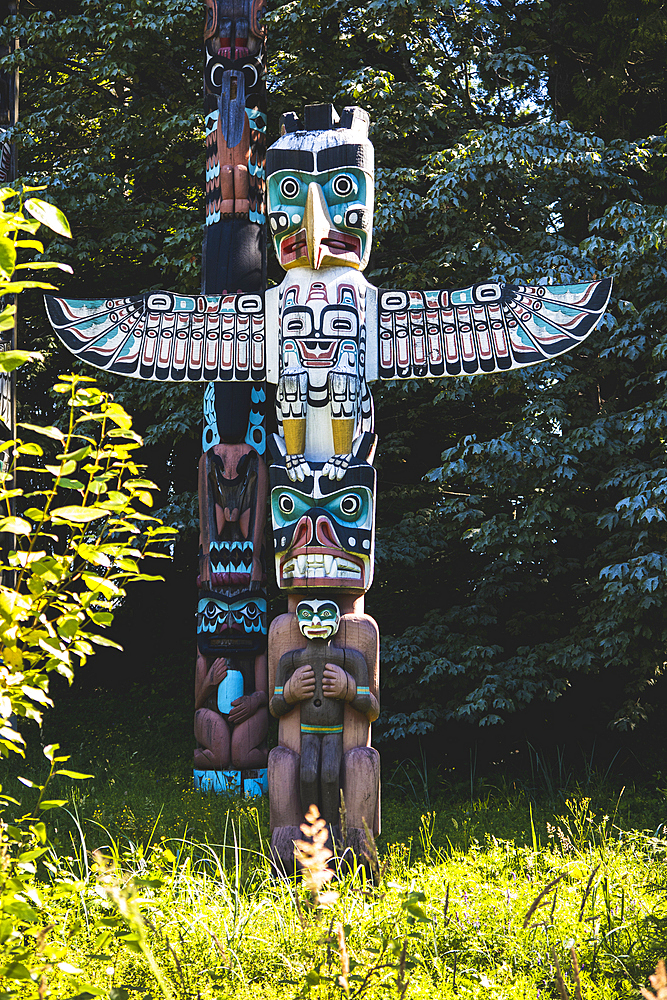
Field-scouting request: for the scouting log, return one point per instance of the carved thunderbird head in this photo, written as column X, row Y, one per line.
column 320, row 176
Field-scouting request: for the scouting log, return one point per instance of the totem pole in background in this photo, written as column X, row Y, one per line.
column 321, row 337
column 231, row 695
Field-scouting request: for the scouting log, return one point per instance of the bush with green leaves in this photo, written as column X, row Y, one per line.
column 74, row 531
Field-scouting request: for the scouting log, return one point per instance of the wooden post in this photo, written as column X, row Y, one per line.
column 231, row 695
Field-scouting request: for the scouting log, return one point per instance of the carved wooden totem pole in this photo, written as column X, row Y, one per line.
column 231, row 696
column 321, row 337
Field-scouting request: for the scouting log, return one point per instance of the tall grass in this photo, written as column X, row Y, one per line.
column 494, row 897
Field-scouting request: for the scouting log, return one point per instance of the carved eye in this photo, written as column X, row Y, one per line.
column 343, row 185
column 211, row 611
column 289, row 187
column 350, row 505
column 286, row 504
column 252, row 611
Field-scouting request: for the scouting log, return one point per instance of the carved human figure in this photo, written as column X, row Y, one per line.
column 230, row 730
column 322, row 678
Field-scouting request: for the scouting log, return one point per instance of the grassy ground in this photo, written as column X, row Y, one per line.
column 483, row 886
column 486, row 895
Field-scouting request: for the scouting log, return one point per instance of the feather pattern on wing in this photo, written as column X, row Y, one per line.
column 485, row 328
column 167, row 337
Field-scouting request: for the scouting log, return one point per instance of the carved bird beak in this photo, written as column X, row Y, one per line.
column 317, row 223
column 327, row 246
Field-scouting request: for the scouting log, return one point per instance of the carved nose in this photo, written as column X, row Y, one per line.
column 325, row 532
column 303, row 533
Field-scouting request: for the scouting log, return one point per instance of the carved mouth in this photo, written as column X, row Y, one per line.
column 341, row 243
column 318, row 355
column 294, row 248
column 322, row 566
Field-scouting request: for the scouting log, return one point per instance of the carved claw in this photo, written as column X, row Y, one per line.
column 297, row 468
column 337, row 466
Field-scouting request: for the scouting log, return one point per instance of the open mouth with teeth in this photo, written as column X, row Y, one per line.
column 321, row 568
column 317, row 631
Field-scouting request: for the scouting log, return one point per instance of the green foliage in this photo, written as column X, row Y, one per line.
column 72, row 539
column 70, row 561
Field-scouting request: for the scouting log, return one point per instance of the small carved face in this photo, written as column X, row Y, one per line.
column 231, row 624
column 318, row 619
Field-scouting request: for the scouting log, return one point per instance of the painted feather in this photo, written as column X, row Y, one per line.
column 485, row 328
column 166, row 337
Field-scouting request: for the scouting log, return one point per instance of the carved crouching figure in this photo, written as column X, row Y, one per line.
column 321, row 679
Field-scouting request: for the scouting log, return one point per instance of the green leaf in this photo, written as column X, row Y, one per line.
column 50, row 432
column 44, row 265
column 53, row 803
column 9, row 360
column 14, row 287
column 7, row 257
column 15, row 526
column 74, row 774
column 79, row 515
column 49, row 215
column 16, row 971
column 31, row 244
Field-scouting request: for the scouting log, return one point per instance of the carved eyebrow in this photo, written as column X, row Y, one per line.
column 289, row 159
column 350, row 155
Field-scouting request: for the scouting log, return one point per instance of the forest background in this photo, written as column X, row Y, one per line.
column 521, row 575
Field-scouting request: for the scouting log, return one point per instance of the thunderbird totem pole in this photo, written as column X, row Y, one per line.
column 320, row 337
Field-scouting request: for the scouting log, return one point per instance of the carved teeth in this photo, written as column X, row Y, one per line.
column 319, row 565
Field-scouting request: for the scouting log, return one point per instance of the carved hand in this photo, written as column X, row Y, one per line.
column 336, row 683
column 297, row 468
column 337, row 466
column 217, row 671
column 301, row 685
column 244, row 708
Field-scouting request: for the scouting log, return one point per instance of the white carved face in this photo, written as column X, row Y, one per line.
column 318, row 619
column 322, row 322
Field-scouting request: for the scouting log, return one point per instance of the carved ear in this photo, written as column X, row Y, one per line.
column 290, row 122
column 357, row 119
column 320, row 117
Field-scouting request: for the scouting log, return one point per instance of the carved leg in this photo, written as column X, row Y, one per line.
column 332, row 753
column 311, row 753
column 246, row 740
column 212, row 732
column 285, row 805
column 361, row 788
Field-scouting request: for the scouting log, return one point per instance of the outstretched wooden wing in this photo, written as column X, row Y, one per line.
column 164, row 336
column 485, row 328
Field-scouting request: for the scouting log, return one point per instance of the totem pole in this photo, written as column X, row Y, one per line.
column 321, row 337
column 231, row 695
